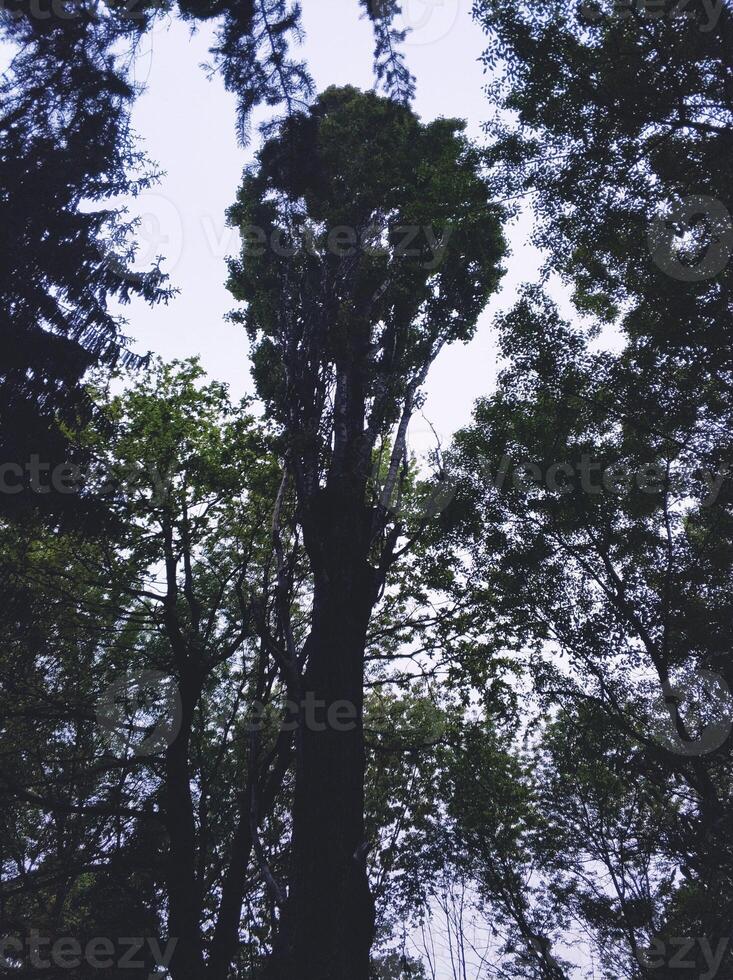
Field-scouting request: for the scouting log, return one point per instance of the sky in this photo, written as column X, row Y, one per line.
column 186, row 122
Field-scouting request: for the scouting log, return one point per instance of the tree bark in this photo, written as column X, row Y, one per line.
column 226, row 934
column 184, row 904
column 327, row 925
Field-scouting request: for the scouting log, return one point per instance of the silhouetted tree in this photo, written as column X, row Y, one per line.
column 346, row 316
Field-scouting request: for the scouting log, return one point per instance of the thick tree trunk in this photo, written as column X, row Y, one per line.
column 327, row 926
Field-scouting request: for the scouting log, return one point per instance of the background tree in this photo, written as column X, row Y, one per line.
column 66, row 151
column 623, row 160
column 169, row 621
column 592, row 548
column 170, row 605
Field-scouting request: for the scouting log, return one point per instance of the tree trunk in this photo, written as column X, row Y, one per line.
column 328, row 923
column 184, row 906
column 225, row 941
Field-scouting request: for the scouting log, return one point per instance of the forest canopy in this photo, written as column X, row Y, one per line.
column 280, row 698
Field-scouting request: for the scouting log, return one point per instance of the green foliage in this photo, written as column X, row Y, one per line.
column 368, row 167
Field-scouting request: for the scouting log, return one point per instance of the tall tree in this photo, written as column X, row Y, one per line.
column 626, row 161
column 625, row 157
column 380, row 246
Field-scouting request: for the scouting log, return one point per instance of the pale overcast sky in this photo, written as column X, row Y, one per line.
column 187, row 123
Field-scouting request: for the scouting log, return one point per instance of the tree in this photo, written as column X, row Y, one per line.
column 639, row 118
column 625, row 157
column 597, row 546
column 626, row 160
column 146, row 753
column 159, row 620
column 66, row 151
column 345, row 318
